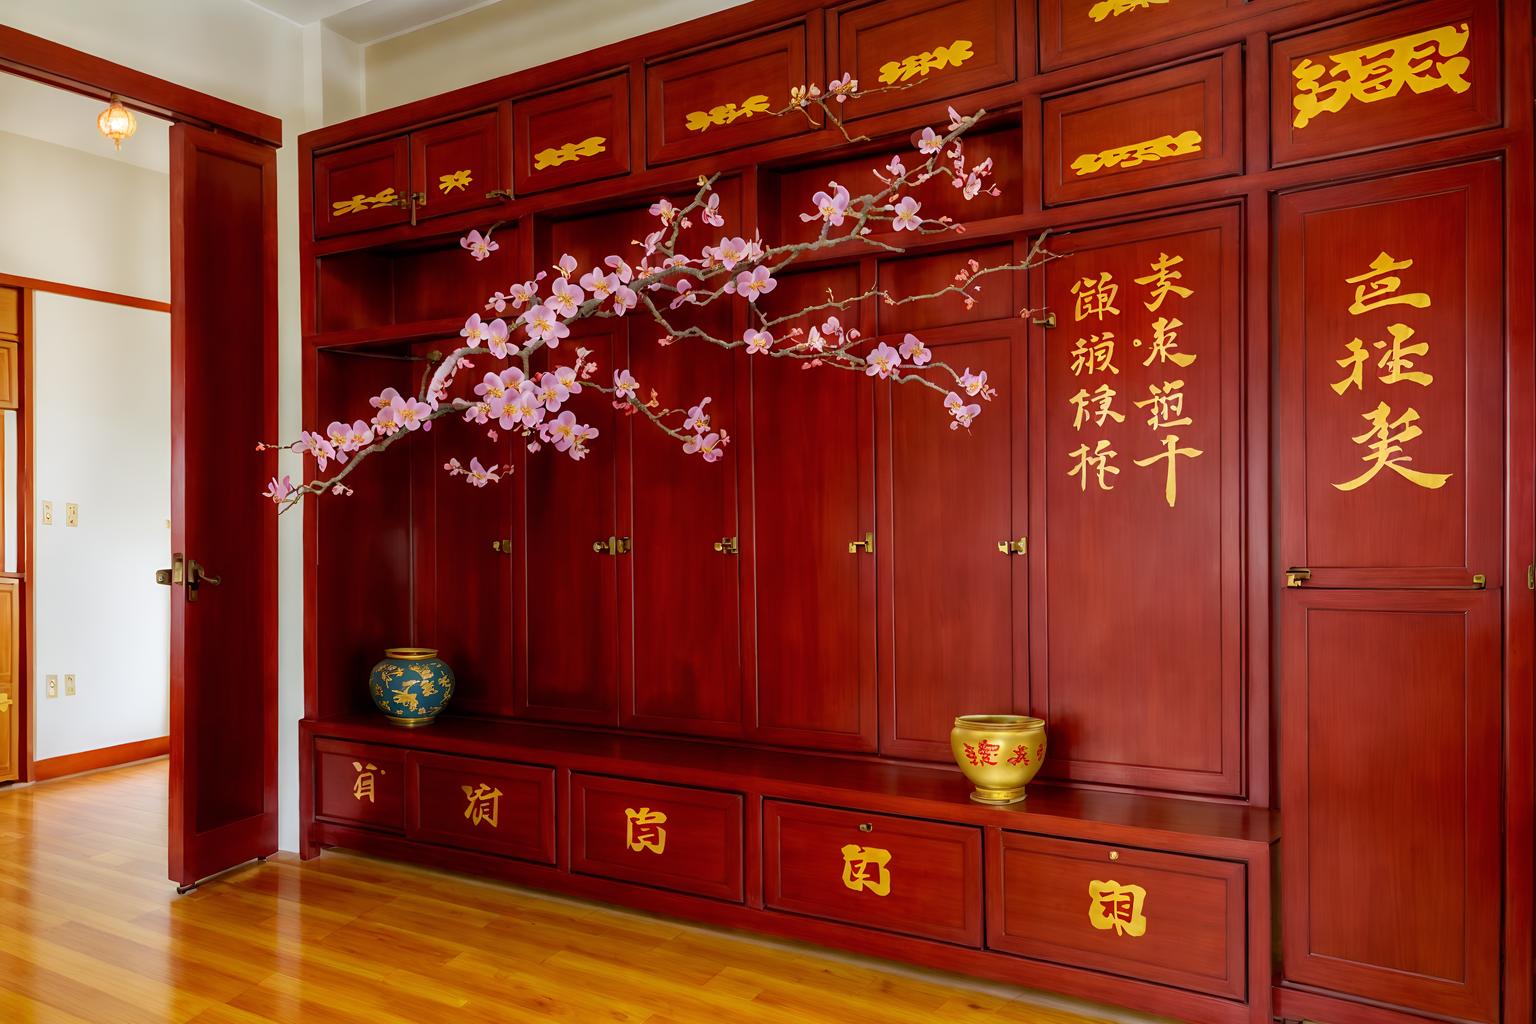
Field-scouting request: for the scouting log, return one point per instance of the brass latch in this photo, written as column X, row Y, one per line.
column 1479, row 581
column 1046, row 320
column 5, row 702
column 726, row 546
column 196, row 577
column 1530, row 576
column 503, row 547
column 499, row 193
column 612, row 546
column 1295, row 577
column 867, row 545
column 1014, row 547
column 170, row 577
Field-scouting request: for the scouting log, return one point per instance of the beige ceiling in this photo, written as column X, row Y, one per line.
column 368, row 21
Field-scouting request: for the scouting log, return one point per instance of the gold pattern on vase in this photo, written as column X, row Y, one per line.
column 643, row 831
column 999, row 754
column 936, row 59
column 859, row 862
column 571, row 151
column 726, row 113
column 458, row 180
column 1137, row 153
column 1105, row 9
column 1422, row 63
column 361, row 203
column 1119, row 907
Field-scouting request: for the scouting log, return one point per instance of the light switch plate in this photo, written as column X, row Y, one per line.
column 71, row 514
column 69, row 684
column 53, row 686
column 47, row 513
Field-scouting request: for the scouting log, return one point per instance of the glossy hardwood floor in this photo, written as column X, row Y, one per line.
column 91, row 932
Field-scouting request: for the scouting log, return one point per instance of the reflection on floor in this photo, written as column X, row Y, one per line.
column 91, row 932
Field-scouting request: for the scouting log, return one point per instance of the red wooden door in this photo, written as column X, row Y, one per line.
column 1389, row 393
column 223, row 778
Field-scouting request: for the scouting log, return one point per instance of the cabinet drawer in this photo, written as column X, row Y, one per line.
column 362, row 187
column 488, row 806
column 1172, row 126
column 899, row 874
column 356, row 784
column 1417, row 73
column 456, row 164
column 572, row 135
column 667, row 836
column 1073, row 31
column 722, row 97
column 1160, row 917
column 944, row 49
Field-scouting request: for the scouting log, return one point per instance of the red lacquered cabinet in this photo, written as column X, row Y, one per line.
column 360, row 785
column 487, row 806
column 898, row 874
column 458, row 165
column 671, row 837
column 363, row 187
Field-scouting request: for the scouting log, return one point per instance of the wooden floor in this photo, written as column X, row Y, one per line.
column 91, row 932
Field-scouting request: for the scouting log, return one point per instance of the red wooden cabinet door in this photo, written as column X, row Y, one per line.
column 1390, row 780
column 951, row 501
column 223, row 644
column 455, row 164
column 1136, row 496
column 362, row 187
column 572, row 135
column 1390, row 348
column 812, row 494
column 570, row 570
column 485, row 806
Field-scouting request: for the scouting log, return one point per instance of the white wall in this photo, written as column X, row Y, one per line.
column 509, row 36
column 103, row 429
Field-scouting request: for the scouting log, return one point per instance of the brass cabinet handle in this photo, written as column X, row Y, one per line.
column 503, row 547
column 499, row 193
column 866, row 826
column 867, row 545
column 727, row 546
column 1114, row 854
column 196, row 577
column 612, row 546
column 1296, row 576
column 1014, row 547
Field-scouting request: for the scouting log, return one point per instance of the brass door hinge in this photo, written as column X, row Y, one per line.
column 612, row 546
column 1296, row 576
column 727, row 546
column 867, row 545
column 499, row 193
column 1014, row 547
column 1530, row 576
column 503, row 547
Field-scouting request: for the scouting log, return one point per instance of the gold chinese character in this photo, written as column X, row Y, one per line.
column 546, row 158
column 1094, row 353
column 726, row 113
column 1114, row 8
column 1167, row 405
column 937, row 59
column 1165, row 333
column 1378, row 287
column 1171, row 452
column 1117, row 906
column 484, row 804
column 1097, row 463
column 1386, row 449
column 643, row 831
column 1095, row 298
column 1162, row 280
column 1395, row 358
column 982, row 753
column 1148, row 151
column 457, row 180
column 1352, row 362
column 857, row 862
column 1423, row 62
column 362, row 787
column 1103, row 397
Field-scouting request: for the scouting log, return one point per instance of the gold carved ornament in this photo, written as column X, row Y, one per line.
column 361, row 203
column 484, row 804
column 1422, row 63
column 1106, row 9
column 364, row 786
column 867, row 869
column 1118, row 907
column 643, row 831
column 727, row 113
column 927, row 62
column 1138, row 153
column 546, row 158
column 456, row 181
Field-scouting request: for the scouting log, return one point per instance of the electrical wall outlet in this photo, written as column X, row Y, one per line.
column 53, row 686
column 47, row 513
column 69, row 684
column 71, row 514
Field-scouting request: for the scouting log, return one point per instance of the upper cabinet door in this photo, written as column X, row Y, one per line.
column 363, row 187
column 1074, row 31
column 456, row 164
column 1137, row 491
column 1389, row 382
column 572, row 135
column 723, row 96
column 938, row 49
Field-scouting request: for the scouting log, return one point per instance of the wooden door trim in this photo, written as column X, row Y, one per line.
column 38, row 284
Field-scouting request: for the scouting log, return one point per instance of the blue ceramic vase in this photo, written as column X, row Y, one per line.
column 411, row 685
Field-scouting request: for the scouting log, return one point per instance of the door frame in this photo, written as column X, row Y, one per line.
column 63, row 67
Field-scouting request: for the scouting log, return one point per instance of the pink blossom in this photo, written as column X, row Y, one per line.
column 337, row 433
column 359, row 437
column 974, row 383
column 479, row 476
column 566, row 265
column 543, row 325
column 955, row 120
column 653, row 239
column 895, row 168
column 930, row 142
column 832, row 327
column 473, row 331
column 499, row 385
column 698, row 418
column 914, row 351
column 624, row 270
column 882, row 362
column 728, row 253
column 841, row 88
column 830, row 208
column 624, row 384
column 568, row 379
column 751, row 284
column 411, row 413
column 599, row 284
column 684, row 293
column 565, row 298
column 479, row 246
column 567, row 435
column 624, row 299
column 524, row 409
column 904, row 216
column 664, row 209
column 708, row 445
column 277, row 489
column 498, row 302
column 525, row 293
column 964, row 414
column 711, row 212
column 317, row 446
column 551, row 392
column 757, row 341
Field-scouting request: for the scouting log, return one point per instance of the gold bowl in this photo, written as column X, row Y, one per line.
column 999, row 754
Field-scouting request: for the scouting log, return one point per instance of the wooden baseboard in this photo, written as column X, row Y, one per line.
column 106, row 757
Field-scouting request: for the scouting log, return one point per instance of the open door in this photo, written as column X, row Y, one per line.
column 223, row 578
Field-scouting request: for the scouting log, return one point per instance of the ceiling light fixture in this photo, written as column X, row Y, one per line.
column 117, row 123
